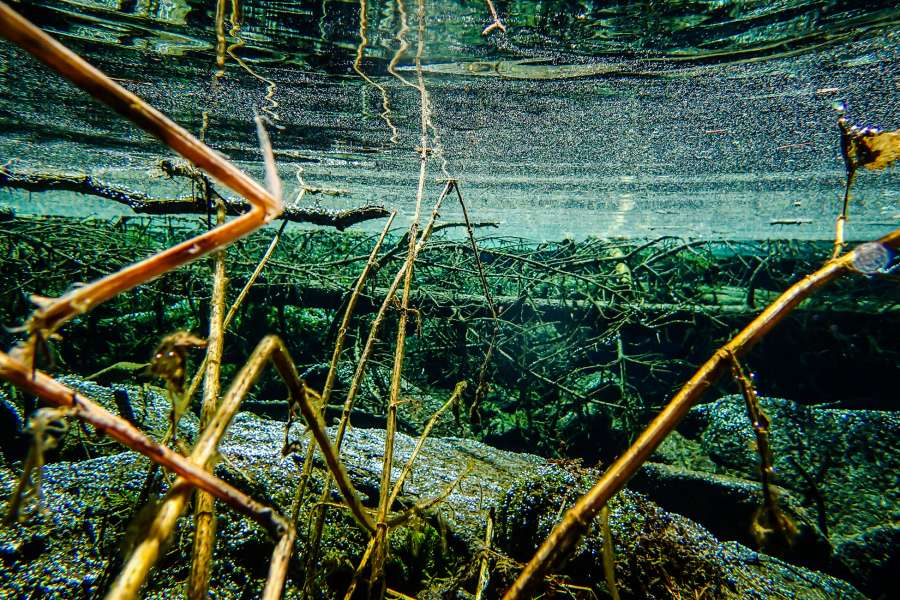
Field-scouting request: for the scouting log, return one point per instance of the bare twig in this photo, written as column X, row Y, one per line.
column 335, row 358
column 53, row 313
column 146, row 551
column 496, row 23
column 484, row 573
column 141, row 203
column 242, row 295
column 481, row 386
column 771, row 527
column 204, row 504
column 576, row 520
column 407, row 468
column 356, row 382
column 379, row 553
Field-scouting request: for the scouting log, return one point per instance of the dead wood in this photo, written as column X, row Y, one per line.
column 142, row 203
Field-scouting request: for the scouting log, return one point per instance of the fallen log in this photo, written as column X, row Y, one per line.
column 443, row 304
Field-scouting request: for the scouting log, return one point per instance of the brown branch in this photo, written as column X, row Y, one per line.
column 39, row 384
column 772, row 529
column 53, row 313
column 356, row 381
column 204, row 504
column 332, row 369
column 407, row 468
column 576, row 520
column 141, row 203
column 496, row 23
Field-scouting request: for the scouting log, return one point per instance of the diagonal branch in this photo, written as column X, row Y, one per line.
column 576, row 520
column 265, row 207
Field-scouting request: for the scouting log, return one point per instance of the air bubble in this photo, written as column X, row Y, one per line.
column 871, row 258
column 194, row 249
column 839, row 106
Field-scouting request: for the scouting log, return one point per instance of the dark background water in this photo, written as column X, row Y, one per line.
column 715, row 120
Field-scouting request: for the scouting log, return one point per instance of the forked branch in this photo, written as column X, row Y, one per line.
column 141, row 203
column 577, row 519
column 496, row 23
column 265, row 207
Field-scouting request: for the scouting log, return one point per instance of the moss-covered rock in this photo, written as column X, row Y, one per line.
column 658, row 554
column 840, row 465
column 73, row 547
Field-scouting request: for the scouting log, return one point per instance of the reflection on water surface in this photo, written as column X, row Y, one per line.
column 606, row 118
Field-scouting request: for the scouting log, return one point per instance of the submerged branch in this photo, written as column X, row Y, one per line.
column 142, row 203
column 577, row 519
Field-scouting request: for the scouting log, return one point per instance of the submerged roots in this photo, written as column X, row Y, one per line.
column 47, row 427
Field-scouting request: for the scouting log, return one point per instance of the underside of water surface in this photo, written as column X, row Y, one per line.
column 623, row 187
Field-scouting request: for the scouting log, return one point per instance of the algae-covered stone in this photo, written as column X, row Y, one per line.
column 74, row 546
column 658, row 554
column 842, row 465
column 728, row 506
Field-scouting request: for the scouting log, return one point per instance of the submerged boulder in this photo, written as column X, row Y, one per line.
column 73, row 546
column 837, row 470
column 727, row 506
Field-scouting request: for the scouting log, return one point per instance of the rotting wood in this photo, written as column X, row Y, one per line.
column 142, row 203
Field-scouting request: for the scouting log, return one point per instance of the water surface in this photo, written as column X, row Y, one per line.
column 702, row 119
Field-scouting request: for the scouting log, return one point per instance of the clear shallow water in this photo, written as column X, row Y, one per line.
column 710, row 119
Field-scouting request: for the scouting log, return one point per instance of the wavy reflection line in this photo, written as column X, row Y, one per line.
column 404, row 46
column 428, row 123
column 357, row 66
column 271, row 87
column 222, row 49
column 436, row 146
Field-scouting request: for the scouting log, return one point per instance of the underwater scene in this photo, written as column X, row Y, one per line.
column 464, row 299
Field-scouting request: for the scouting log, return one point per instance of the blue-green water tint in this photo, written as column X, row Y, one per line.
column 702, row 119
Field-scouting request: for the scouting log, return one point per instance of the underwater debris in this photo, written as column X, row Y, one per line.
column 141, row 203
column 866, row 147
column 169, row 360
column 47, row 426
column 571, row 528
column 527, row 293
column 772, row 528
column 169, row 363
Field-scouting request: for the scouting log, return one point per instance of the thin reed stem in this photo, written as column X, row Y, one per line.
column 356, row 382
column 204, row 504
column 242, row 295
column 377, row 581
column 335, row 358
column 407, row 468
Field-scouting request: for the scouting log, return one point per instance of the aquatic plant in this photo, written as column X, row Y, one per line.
column 19, row 366
column 575, row 522
column 305, row 402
